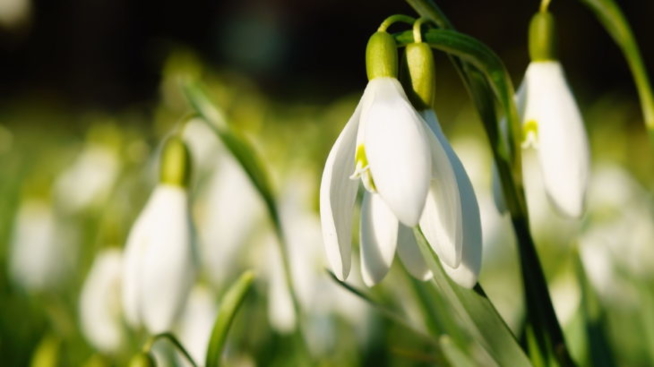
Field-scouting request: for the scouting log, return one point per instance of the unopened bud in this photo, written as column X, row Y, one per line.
column 419, row 75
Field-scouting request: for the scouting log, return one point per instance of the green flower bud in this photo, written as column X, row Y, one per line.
column 381, row 56
column 142, row 360
column 419, row 75
column 542, row 37
column 175, row 163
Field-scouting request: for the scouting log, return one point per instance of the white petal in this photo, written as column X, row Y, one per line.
column 441, row 219
column 229, row 213
column 132, row 268
column 168, row 263
column 397, row 149
column 467, row 272
column 409, row 253
column 197, row 321
column 562, row 142
column 37, row 254
column 99, row 307
column 337, row 196
column 378, row 238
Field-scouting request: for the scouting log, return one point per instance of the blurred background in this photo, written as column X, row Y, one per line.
column 89, row 88
column 108, row 55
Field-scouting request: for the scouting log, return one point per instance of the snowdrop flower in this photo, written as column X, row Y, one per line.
column 387, row 145
column 552, row 123
column 160, row 255
column 100, row 308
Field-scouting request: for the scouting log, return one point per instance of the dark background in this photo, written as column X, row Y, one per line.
column 107, row 54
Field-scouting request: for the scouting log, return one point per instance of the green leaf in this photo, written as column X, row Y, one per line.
column 229, row 306
column 383, row 310
column 477, row 313
column 615, row 23
column 454, row 354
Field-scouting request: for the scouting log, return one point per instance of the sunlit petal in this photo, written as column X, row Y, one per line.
column 337, row 196
column 468, row 270
column 441, row 219
column 397, row 150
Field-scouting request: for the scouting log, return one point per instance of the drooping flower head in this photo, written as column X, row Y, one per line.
column 384, row 146
column 407, row 176
column 552, row 123
column 160, row 255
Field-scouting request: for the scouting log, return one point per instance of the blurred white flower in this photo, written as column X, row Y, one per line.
column 100, row 308
column 553, row 125
column 616, row 245
column 160, row 264
column 402, row 166
column 89, row 180
column 319, row 295
column 196, row 323
column 203, row 143
column 228, row 216
column 42, row 249
column 14, row 12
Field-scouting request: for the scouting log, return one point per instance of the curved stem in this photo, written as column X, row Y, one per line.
column 395, row 19
column 544, row 5
column 417, row 29
column 171, row 338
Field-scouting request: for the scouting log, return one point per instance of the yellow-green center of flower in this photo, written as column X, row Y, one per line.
column 362, row 169
column 530, row 134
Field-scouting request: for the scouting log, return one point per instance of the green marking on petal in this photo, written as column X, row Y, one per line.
column 362, row 170
column 530, row 134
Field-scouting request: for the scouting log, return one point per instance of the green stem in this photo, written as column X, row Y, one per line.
column 395, row 19
column 544, row 5
column 230, row 304
column 417, row 29
column 615, row 23
column 171, row 338
column 473, row 58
